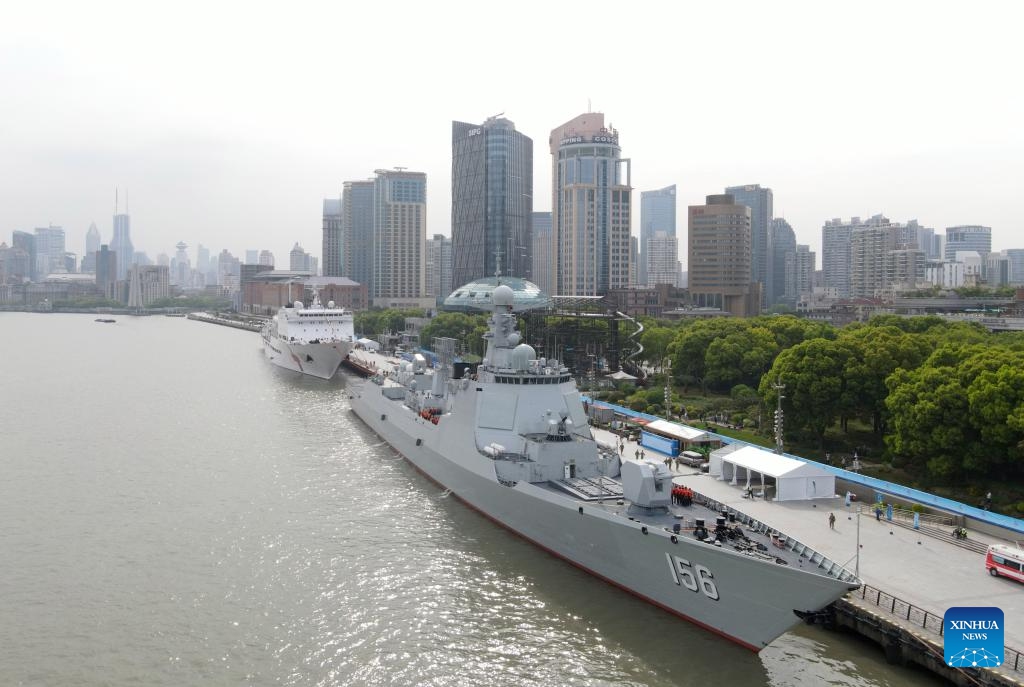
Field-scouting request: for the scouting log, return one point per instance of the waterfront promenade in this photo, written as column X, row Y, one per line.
column 927, row 572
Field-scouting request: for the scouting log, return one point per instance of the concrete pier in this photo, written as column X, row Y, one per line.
column 918, row 570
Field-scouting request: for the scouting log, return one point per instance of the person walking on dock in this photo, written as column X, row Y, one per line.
column 831, row 521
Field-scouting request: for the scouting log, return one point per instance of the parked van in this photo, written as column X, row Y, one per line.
column 1006, row 561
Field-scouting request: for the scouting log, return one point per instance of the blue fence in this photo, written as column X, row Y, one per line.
column 879, row 485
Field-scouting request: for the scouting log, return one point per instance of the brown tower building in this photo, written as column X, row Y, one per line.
column 719, row 253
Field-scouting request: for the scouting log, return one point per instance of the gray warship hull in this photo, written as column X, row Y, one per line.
column 754, row 601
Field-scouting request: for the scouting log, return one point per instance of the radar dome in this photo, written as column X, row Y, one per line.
column 330, row 305
column 503, row 295
column 298, row 305
column 522, row 355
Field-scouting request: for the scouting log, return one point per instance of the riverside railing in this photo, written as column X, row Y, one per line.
column 1013, row 659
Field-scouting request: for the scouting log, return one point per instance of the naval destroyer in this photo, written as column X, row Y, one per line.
column 512, row 441
column 311, row 340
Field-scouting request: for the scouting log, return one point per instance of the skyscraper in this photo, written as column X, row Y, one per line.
column 331, row 250
column 26, row 242
column 803, row 268
column 591, row 194
column 50, row 249
column 492, row 200
column 180, row 269
column 661, row 255
column 970, row 237
column 121, row 244
column 438, row 267
column 92, row 244
column 298, row 259
column 835, row 255
column 357, row 233
column 543, row 265
column 719, row 257
column 266, row 258
column 760, row 202
column 782, row 249
column 399, row 237
column 657, row 213
column 106, row 271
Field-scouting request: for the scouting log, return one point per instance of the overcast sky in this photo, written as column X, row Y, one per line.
column 228, row 124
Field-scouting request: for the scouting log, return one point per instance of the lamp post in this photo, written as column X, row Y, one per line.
column 668, row 388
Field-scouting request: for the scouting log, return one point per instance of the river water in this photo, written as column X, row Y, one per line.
column 176, row 510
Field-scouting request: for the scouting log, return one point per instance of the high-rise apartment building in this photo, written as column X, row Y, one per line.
column 657, row 213
column 719, row 257
column 438, row 267
column 760, row 202
column 803, row 272
column 399, row 238
column 782, row 251
column 835, row 255
column 542, row 252
column 331, row 250
column 357, row 232
column 591, row 208
column 968, row 238
column 492, row 200
column 661, row 255
column 121, row 244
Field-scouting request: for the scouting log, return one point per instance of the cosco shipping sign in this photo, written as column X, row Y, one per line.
column 600, row 138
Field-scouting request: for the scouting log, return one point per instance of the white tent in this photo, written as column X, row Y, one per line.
column 795, row 480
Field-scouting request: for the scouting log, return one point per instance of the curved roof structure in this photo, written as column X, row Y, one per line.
column 478, row 295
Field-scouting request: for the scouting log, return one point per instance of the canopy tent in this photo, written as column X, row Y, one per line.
column 795, row 480
column 368, row 344
column 689, row 435
column 620, row 376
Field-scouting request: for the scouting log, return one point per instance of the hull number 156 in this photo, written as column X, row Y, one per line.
column 694, row 577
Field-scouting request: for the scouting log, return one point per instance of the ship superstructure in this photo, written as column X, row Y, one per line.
column 311, row 340
column 513, row 442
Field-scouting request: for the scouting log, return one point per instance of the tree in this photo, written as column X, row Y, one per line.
column 655, row 341
column 814, row 375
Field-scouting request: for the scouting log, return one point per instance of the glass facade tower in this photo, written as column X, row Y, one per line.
column 492, row 200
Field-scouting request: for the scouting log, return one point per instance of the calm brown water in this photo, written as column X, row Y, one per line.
column 175, row 510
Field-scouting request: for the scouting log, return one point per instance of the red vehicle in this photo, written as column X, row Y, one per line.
column 1006, row 561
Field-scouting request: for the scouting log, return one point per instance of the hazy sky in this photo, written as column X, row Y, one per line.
column 229, row 123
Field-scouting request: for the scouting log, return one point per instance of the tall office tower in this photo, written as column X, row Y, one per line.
column 331, row 248
column 782, row 249
column 657, row 213
column 229, row 271
column 438, row 267
column 634, row 258
column 50, row 249
column 492, row 200
column 22, row 240
column 591, row 194
column 298, row 259
column 835, row 255
column 266, row 258
column 357, row 232
column 542, row 250
column 662, row 257
column 803, row 277
column 106, row 270
column 146, row 284
column 719, row 257
column 759, row 200
column 1015, row 257
column 995, row 269
column 399, row 236
column 121, row 244
column 251, row 256
column 968, row 238
column 180, row 267
column 92, row 244
column 163, row 259
column 202, row 258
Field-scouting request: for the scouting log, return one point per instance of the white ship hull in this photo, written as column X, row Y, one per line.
column 318, row 360
column 313, row 340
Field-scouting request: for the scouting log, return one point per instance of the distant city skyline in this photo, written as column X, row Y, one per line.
column 236, row 148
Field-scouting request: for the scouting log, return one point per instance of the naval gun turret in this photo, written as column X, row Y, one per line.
column 647, row 485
